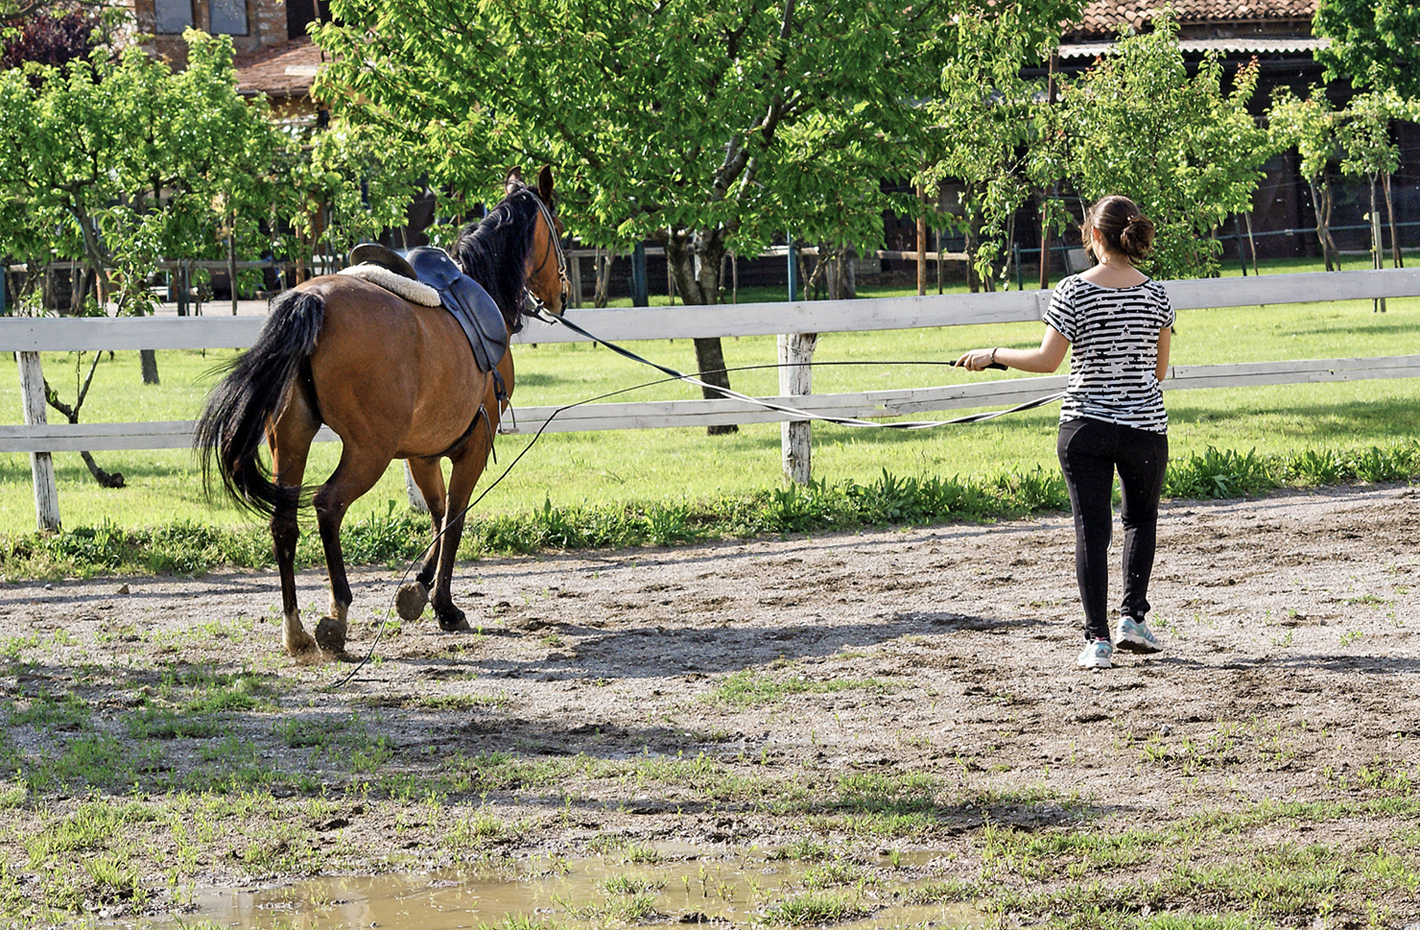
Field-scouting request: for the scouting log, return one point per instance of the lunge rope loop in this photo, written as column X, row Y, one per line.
column 797, row 412
column 539, row 312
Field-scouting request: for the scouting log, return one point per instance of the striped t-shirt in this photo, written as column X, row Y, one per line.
column 1114, row 338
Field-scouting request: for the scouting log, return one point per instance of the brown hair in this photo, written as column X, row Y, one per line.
column 1122, row 225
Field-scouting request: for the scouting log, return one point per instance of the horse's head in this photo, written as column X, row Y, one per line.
column 548, row 286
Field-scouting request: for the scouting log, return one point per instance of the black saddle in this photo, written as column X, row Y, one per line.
column 465, row 298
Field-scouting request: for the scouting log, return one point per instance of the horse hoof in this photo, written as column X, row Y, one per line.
column 330, row 635
column 410, row 601
column 301, row 647
column 454, row 622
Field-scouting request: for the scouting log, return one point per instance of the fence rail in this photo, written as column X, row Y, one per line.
column 30, row 336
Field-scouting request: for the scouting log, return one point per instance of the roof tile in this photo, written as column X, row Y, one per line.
column 1104, row 17
column 284, row 70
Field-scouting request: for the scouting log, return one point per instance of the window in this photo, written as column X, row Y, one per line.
column 229, row 17
column 173, row 16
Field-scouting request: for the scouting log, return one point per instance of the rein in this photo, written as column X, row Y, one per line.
column 532, row 304
column 539, row 312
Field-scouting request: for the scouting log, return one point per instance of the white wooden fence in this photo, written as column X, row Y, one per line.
column 30, row 336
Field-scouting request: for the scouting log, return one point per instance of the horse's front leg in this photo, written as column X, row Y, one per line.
column 414, row 596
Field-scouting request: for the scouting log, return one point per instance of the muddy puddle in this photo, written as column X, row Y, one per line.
column 591, row 893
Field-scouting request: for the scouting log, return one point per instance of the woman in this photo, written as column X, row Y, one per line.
column 1118, row 322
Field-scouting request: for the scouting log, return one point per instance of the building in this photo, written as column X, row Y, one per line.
column 274, row 54
column 1277, row 34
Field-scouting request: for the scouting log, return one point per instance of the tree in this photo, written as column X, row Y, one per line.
column 122, row 161
column 1374, row 43
column 1185, row 151
column 1310, row 127
column 50, row 37
column 705, row 126
column 984, row 124
column 1368, row 151
column 119, row 162
column 346, row 184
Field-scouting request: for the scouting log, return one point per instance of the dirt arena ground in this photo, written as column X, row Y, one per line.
column 1291, row 666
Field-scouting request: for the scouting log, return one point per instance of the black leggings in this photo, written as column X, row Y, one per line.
column 1090, row 451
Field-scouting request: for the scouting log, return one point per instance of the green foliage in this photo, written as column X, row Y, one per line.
column 396, row 538
column 1307, row 125
column 985, row 133
column 814, row 909
column 1216, row 474
column 708, row 126
column 118, row 161
column 1181, row 148
column 1374, row 43
column 1364, row 133
column 1228, row 474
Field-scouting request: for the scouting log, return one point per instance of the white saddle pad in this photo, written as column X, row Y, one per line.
column 416, row 292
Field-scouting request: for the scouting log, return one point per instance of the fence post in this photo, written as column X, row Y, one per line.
column 574, row 272
column 793, row 269
column 41, row 463
column 796, row 354
column 640, row 291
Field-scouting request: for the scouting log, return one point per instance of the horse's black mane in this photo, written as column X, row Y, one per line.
column 494, row 252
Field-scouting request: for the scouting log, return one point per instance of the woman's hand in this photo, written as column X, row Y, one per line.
column 977, row 359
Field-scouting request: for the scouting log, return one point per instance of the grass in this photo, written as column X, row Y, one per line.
column 88, row 811
column 662, row 478
column 746, row 688
column 398, row 537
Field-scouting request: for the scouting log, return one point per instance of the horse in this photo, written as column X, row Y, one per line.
column 393, row 380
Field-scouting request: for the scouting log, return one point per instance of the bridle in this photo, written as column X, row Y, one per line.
column 533, row 305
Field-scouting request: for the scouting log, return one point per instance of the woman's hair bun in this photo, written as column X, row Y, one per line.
column 1136, row 239
column 1123, row 226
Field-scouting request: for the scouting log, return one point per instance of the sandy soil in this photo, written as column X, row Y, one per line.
column 1291, row 660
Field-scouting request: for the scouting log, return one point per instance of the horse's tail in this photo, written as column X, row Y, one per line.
column 233, row 424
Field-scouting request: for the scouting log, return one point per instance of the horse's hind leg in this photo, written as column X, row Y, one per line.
column 355, row 475
column 429, row 478
column 462, row 477
column 290, row 441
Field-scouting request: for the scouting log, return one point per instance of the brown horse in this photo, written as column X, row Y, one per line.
column 392, row 379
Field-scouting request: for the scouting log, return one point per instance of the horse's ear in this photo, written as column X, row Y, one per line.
column 514, row 181
column 544, row 184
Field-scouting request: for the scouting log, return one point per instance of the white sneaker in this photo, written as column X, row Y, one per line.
column 1135, row 636
column 1096, row 655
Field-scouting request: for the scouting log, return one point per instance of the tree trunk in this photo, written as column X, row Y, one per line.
column 51, row 397
column 148, row 362
column 1251, row 244
column 922, row 242
column 82, row 282
column 973, row 276
column 693, row 261
column 603, row 273
column 1396, row 257
column 1321, row 203
column 104, row 479
column 1377, row 247
column 231, row 265
column 1050, row 98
